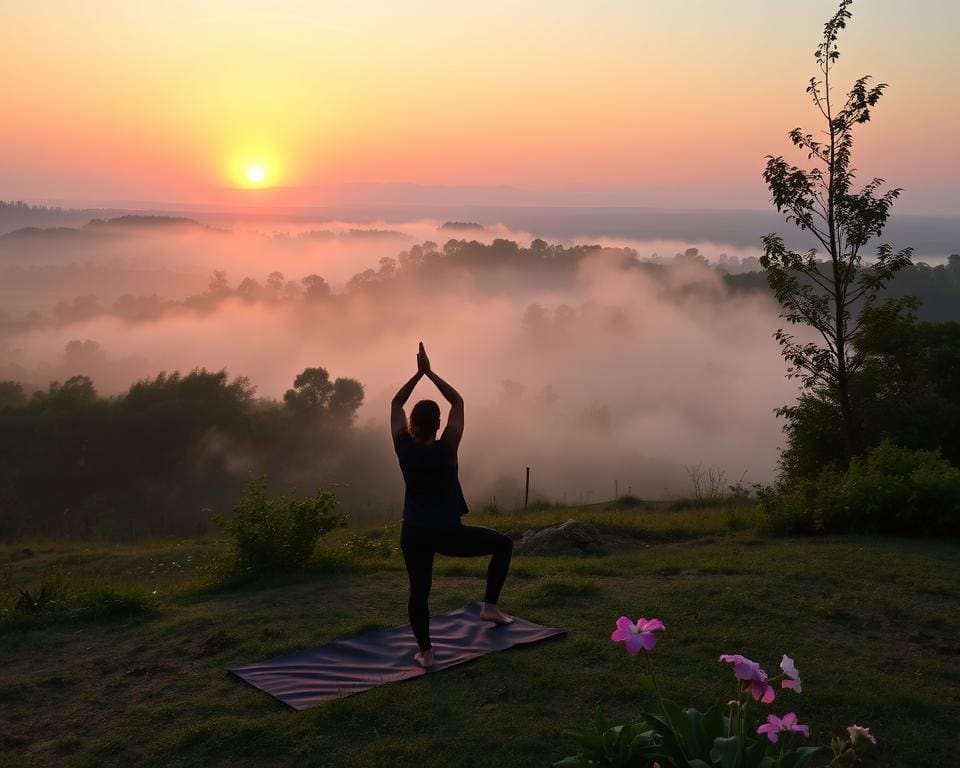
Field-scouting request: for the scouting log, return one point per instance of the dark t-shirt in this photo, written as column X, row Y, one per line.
column 434, row 498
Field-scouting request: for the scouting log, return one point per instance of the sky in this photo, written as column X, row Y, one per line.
column 609, row 102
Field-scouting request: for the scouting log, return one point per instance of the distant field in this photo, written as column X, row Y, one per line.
column 128, row 666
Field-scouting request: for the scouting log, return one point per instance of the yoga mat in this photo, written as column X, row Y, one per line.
column 344, row 667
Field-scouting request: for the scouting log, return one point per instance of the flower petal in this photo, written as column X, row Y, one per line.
column 772, row 732
column 634, row 643
column 762, row 691
column 651, row 625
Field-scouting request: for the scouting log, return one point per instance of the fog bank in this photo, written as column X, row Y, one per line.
column 605, row 375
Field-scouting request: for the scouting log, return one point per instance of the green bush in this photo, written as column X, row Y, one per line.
column 889, row 490
column 370, row 545
column 277, row 535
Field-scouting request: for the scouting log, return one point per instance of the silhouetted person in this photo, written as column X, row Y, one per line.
column 433, row 504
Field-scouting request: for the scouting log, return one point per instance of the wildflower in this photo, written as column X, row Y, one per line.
column 637, row 636
column 859, row 736
column 792, row 679
column 750, row 672
column 786, row 724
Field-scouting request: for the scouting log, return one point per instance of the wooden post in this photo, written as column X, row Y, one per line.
column 526, row 493
column 616, row 490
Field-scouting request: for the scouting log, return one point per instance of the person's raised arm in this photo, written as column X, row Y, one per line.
column 454, row 429
column 398, row 419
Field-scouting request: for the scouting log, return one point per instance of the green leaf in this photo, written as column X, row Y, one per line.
column 715, row 723
column 799, row 757
column 590, row 741
column 704, row 729
column 641, row 747
column 574, row 761
column 697, row 743
column 724, row 751
column 755, row 755
column 610, row 738
column 601, row 722
column 645, row 683
column 670, row 741
column 678, row 720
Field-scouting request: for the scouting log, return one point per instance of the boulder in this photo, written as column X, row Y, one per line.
column 569, row 538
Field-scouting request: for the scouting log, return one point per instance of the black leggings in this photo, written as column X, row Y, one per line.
column 419, row 546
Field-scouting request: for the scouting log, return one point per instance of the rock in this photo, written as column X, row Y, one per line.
column 570, row 538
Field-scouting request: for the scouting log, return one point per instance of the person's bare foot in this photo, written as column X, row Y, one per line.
column 490, row 612
column 424, row 658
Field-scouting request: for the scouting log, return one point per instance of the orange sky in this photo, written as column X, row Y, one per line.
column 123, row 99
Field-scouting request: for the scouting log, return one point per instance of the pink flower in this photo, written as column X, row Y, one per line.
column 750, row 672
column 743, row 668
column 859, row 736
column 786, row 724
column 792, row 679
column 637, row 636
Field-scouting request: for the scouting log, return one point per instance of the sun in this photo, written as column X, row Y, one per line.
column 255, row 174
column 254, row 165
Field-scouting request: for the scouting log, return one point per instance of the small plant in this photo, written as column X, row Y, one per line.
column 370, row 546
column 276, row 535
column 722, row 737
column 30, row 602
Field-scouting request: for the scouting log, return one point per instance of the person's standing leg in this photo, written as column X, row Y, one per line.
column 474, row 541
column 416, row 545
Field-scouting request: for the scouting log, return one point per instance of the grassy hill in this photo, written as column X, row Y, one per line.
column 127, row 665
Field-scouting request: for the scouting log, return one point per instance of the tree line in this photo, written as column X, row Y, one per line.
column 541, row 264
column 75, row 463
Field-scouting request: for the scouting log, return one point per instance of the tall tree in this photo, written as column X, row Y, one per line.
column 821, row 200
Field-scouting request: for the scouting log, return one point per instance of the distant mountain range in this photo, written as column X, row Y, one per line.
column 932, row 237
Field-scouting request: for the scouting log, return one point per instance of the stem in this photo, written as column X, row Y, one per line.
column 653, row 679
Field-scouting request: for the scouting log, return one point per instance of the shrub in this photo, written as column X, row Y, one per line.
column 276, row 535
column 889, row 490
column 370, row 546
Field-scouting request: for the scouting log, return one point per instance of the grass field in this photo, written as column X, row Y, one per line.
column 127, row 666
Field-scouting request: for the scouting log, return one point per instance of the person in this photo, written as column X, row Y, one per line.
column 434, row 503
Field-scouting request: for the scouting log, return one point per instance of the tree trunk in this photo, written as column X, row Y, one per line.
column 846, row 412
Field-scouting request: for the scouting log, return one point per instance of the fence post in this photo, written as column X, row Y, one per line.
column 526, row 493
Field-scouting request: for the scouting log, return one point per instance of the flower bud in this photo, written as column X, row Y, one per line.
column 860, row 737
